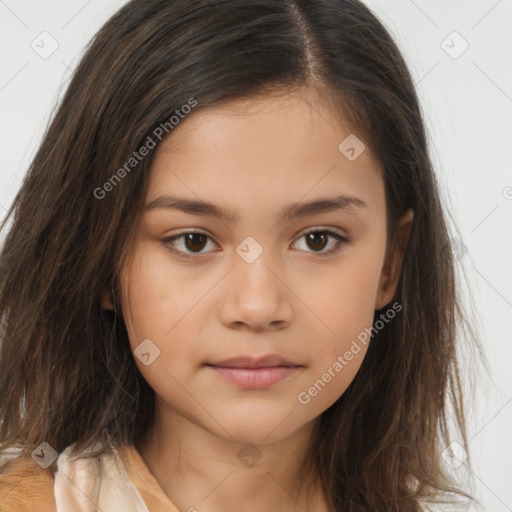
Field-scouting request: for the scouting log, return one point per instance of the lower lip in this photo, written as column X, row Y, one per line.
column 255, row 378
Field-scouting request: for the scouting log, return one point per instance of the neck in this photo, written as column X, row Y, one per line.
column 202, row 472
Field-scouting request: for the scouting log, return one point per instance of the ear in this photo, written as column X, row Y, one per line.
column 390, row 272
column 106, row 300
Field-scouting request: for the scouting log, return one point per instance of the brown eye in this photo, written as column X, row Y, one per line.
column 195, row 241
column 191, row 244
column 187, row 244
column 318, row 240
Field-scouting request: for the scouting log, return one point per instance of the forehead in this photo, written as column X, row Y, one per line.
column 300, row 112
column 281, row 148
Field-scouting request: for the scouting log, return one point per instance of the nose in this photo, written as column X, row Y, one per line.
column 256, row 297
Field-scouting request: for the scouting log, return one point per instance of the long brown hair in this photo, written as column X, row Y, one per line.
column 67, row 373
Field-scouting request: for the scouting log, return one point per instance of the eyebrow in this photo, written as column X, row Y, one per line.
column 204, row 208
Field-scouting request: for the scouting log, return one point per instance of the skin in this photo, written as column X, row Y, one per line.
column 253, row 158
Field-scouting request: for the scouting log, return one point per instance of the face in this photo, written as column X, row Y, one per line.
column 201, row 289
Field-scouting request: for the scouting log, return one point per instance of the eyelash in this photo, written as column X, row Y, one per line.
column 341, row 241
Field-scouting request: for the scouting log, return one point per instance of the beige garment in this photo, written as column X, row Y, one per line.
column 150, row 490
column 118, row 480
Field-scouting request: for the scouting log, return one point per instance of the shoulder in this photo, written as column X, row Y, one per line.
column 26, row 487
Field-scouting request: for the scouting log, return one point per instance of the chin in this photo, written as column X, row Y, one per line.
column 263, row 427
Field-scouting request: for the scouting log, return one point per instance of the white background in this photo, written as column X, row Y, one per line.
column 467, row 102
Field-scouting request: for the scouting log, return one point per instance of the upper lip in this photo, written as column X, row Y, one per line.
column 268, row 361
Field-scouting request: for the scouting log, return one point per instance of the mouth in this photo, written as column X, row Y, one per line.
column 255, row 373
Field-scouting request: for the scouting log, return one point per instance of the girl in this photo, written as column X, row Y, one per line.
column 228, row 282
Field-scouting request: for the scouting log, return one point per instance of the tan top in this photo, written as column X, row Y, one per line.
column 115, row 481
column 151, row 492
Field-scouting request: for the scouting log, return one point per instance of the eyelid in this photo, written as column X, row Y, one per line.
column 342, row 239
column 166, row 242
column 323, row 229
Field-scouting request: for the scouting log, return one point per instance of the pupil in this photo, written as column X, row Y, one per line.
column 192, row 238
column 317, row 238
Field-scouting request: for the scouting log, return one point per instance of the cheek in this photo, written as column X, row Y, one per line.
column 343, row 296
column 160, row 304
column 158, row 295
column 339, row 342
column 336, row 358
